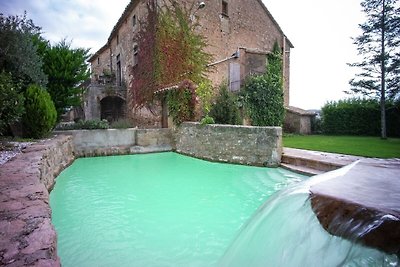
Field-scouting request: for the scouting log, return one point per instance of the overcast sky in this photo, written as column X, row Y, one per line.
column 320, row 31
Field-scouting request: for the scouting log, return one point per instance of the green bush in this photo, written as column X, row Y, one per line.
column 40, row 114
column 359, row 117
column 225, row 110
column 12, row 102
column 85, row 125
column 121, row 124
column 207, row 120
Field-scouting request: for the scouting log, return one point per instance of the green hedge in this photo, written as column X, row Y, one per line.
column 359, row 117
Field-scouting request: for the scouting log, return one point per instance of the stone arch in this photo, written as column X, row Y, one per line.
column 112, row 108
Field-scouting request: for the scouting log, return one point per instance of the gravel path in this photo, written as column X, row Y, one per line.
column 6, row 155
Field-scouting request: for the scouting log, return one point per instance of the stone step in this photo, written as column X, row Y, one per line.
column 301, row 169
column 150, row 149
column 321, row 161
column 309, row 163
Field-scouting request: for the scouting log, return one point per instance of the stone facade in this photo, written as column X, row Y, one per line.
column 240, row 34
column 27, row 237
column 259, row 146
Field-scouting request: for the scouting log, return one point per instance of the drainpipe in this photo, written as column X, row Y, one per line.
column 111, row 55
column 284, row 67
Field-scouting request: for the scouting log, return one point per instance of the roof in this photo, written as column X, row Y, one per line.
column 300, row 111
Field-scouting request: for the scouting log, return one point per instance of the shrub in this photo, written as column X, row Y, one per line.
column 12, row 102
column 85, row 125
column 40, row 114
column 207, row 120
column 121, row 124
column 225, row 110
column 357, row 116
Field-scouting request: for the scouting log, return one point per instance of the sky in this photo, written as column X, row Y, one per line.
column 320, row 31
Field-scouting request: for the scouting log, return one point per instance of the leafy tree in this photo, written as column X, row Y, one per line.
column 18, row 50
column 40, row 116
column 12, row 102
column 66, row 69
column 379, row 44
column 263, row 94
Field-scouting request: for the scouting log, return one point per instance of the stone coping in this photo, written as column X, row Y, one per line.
column 27, row 237
column 362, row 203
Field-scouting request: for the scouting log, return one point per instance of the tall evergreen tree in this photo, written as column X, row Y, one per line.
column 379, row 45
column 66, row 69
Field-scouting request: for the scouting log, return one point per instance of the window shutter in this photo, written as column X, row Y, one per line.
column 234, row 77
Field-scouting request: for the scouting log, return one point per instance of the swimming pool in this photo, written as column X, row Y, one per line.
column 161, row 209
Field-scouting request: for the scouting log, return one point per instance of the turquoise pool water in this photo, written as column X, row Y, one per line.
column 156, row 209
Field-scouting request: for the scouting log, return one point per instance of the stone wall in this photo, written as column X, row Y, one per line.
column 260, row 146
column 120, row 141
column 27, row 237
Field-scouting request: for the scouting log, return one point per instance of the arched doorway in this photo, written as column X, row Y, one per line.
column 112, row 108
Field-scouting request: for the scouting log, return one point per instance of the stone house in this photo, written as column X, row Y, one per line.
column 298, row 120
column 240, row 33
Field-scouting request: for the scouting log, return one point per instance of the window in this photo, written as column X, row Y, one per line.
column 119, row 71
column 224, row 8
column 135, row 54
column 117, row 39
column 134, row 22
column 98, row 61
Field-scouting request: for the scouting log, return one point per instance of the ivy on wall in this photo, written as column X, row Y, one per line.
column 170, row 51
column 263, row 94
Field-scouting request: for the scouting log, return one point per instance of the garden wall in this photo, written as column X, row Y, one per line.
column 27, row 237
column 260, row 146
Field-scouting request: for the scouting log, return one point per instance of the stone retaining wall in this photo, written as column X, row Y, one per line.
column 27, row 237
column 260, row 146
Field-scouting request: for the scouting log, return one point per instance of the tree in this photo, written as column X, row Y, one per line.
column 12, row 102
column 18, row 51
column 379, row 45
column 66, row 69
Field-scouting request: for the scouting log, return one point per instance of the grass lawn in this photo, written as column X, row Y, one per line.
column 350, row 145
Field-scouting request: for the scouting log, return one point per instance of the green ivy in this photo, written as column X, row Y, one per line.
column 263, row 94
column 182, row 102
